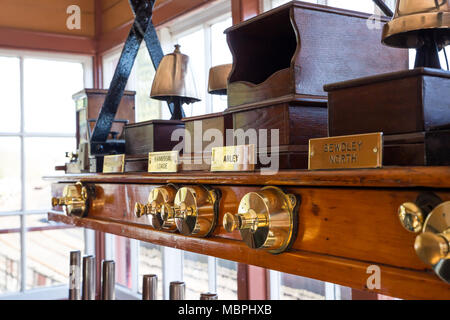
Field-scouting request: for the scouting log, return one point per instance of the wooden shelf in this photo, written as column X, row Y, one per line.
column 393, row 177
column 347, row 222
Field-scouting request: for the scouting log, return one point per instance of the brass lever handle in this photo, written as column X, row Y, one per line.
column 266, row 219
column 75, row 199
column 159, row 208
column 433, row 244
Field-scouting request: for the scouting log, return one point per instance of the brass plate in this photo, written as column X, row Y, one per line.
column 114, row 164
column 346, row 152
column 233, row 158
column 163, row 162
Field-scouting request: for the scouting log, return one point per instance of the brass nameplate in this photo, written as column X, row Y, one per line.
column 346, row 152
column 165, row 162
column 233, row 158
column 114, row 164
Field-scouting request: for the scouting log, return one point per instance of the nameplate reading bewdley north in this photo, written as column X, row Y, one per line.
column 346, row 152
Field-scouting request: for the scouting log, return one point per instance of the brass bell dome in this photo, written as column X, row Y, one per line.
column 218, row 79
column 174, row 82
column 413, row 19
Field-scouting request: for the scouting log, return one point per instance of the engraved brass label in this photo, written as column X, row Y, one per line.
column 345, row 152
column 114, row 164
column 233, row 158
column 163, row 162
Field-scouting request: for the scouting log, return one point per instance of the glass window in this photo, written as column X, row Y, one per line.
column 49, row 86
column 43, row 155
column 10, row 185
column 195, row 274
column 9, row 254
column 226, row 279
column 150, row 262
column 220, row 54
column 10, row 84
column 367, row 6
column 299, row 288
column 35, row 133
column 48, row 250
column 193, row 45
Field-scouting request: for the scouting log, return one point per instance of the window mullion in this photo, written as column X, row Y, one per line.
column 23, row 245
column 208, row 64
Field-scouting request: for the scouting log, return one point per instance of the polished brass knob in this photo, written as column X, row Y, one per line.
column 433, row 244
column 196, row 210
column 159, row 208
column 266, row 219
column 411, row 217
column 75, row 199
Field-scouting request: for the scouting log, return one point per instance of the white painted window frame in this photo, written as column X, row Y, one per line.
column 49, row 292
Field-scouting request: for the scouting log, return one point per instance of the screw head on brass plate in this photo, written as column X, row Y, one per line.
column 411, row 217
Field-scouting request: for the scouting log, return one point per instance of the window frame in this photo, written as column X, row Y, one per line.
column 53, row 292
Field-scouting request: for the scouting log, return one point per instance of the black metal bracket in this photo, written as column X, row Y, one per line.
column 142, row 30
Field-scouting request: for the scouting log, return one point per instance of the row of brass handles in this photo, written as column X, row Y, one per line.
column 429, row 218
column 265, row 219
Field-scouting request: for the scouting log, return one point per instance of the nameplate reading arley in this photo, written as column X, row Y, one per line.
column 233, row 158
column 166, row 162
column 346, row 152
column 114, row 163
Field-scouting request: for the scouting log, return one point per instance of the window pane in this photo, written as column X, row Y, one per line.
column 10, row 190
column 49, row 86
column 193, row 45
column 10, row 84
column 367, row 6
column 226, row 279
column 195, row 275
column 48, row 252
column 146, row 108
column 150, row 262
column 42, row 155
column 9, row 254
column 299, row 288
column 122, row 259
column 220, row 55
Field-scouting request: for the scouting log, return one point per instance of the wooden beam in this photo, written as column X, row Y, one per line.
column 42, row 41
column 244, row 9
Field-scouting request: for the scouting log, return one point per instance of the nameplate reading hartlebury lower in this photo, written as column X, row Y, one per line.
column 114, row 163
column 233, row 158
column 346, row 152
column 166, row 162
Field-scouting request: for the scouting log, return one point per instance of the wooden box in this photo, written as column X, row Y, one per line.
column 297, row 48
column 197, row 157
column 395, row 103
column 150, row 136
column 411, row 108
column 297, row 121
column 88, row 105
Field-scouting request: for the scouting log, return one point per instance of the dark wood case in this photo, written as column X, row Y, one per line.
column 150, row 136
column 297, row 48
column 411, row 108
column 297, row 121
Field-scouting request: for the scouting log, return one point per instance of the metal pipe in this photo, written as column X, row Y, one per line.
column 108, row 281
column 177, row 290
column 89, row 278
column 209, row 296
column 384, row 7
column 150, row 287
column 75, row 276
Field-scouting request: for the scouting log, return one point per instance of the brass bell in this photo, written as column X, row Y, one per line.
column 218, row 79
column 420, row 24
column 174, row 82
